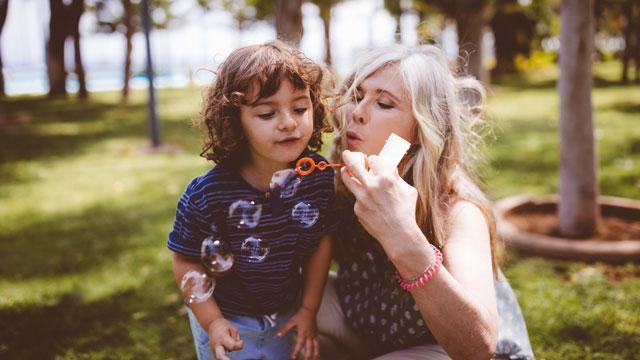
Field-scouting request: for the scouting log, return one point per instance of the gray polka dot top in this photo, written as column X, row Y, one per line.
column 375, row 306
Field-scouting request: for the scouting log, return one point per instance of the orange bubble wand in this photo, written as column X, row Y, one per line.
column 307, row 165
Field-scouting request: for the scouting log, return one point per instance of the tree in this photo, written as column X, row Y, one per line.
column 622, row 18
column 395, row 9
column 288, row 18
column 64, row 22
column 513, row 30
column 4, row 7
column 325, row 7
column 470, row 17
column 124, row 16
column 578, row 211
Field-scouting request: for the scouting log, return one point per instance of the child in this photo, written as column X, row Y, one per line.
column 262, row 113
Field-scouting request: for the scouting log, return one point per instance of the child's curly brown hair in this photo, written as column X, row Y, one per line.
column 263, row 66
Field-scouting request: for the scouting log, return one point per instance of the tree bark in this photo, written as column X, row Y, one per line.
column 470, row 20
column 578, row 210
column 4, row 7
column 325, row 14
column 629, row 44
column 128, row 35
column 76, row 10
column 55, row 49
column 288, row 14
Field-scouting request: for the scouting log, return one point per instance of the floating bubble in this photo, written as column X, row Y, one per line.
column 287, row 181
column 305, row 214
column 254, row 249
column 245, row 214
column 216, row 255
column 196, row 287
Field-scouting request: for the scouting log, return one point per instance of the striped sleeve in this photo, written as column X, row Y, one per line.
column 189, row 227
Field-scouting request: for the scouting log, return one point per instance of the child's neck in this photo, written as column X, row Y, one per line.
column 259, row 173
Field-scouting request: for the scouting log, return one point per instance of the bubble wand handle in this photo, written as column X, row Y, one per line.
column 307, row 165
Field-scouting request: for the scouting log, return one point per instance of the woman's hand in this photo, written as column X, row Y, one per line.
column 223, row 337
column 307, row 340
column 385, row 204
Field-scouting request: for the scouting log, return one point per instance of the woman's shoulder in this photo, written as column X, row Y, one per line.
column 465, row 213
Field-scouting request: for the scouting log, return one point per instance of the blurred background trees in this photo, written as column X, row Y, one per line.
column 497, row 37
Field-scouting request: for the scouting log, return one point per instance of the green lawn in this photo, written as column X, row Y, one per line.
column 84, row 215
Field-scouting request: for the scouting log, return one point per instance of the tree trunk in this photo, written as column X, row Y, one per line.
column 4, row 7
column 325, row 14
column 76, row 9
column 628, row 41
column 128, row 35
column 578, row 210
column 55, row 49
column 289, row 21
column 470, row 20
column 398, row 34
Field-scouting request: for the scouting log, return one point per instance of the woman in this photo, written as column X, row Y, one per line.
column 429, row 206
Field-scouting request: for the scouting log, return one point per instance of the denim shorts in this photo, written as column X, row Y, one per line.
column 259, row 335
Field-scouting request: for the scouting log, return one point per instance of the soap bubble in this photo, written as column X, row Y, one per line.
column 305, row 214
column 216, row 255
column 196, row 287
column 287, row 181
column 245, row 214
column 254, row 249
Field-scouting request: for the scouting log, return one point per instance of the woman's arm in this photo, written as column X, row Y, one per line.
column 458, row 304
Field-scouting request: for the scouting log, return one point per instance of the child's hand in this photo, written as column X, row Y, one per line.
column 305, row 322
column 223, row 337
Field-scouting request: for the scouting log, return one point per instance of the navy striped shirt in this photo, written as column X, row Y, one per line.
column 255, row 288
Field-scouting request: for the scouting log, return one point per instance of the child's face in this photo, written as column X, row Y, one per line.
column 278, row 128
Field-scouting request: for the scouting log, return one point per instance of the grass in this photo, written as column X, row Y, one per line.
column 85, row 211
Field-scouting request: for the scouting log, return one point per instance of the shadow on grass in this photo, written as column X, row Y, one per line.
column 65, row 243
column 629, row 107
column 27, row 141
column 41, row 331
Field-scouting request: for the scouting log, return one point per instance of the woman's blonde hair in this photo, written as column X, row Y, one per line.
column 447, row 110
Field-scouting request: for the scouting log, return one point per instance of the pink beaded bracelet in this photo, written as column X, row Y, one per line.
column 427, row 274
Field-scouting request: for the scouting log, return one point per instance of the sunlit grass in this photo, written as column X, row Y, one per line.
column 85, row 211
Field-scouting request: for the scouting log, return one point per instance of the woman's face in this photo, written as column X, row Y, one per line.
column 381, row 106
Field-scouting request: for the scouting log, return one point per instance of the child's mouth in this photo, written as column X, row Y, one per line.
column 288, row 141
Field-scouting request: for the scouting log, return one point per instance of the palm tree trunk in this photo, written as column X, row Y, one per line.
column 129, row 31
column 470, row 21
column 578, row 210
column 77, row 8
column 325, row 14
column 4, row 7
column 628, row 42
column 289, row 21
column 55, row 49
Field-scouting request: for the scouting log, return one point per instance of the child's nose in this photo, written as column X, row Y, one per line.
column 288, row 122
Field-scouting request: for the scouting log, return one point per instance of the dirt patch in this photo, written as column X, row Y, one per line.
column 616, row 224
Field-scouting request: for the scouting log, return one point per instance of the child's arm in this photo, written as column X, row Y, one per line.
column 222, row 334
column 315, row 277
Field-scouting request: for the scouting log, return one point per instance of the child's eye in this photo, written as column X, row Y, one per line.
column 300, row 111
column 384, row 106
column 266, row 116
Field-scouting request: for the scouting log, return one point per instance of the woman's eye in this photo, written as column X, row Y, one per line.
column 266, row 116
column 300, row 111
column 384, row 106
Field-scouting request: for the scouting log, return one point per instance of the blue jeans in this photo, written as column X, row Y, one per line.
column 259, row 335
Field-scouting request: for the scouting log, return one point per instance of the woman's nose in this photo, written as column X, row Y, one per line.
column 359, row 114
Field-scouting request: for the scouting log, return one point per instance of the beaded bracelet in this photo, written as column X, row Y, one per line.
column 427, row 274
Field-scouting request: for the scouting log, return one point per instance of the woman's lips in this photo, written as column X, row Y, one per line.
column 353, row 138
